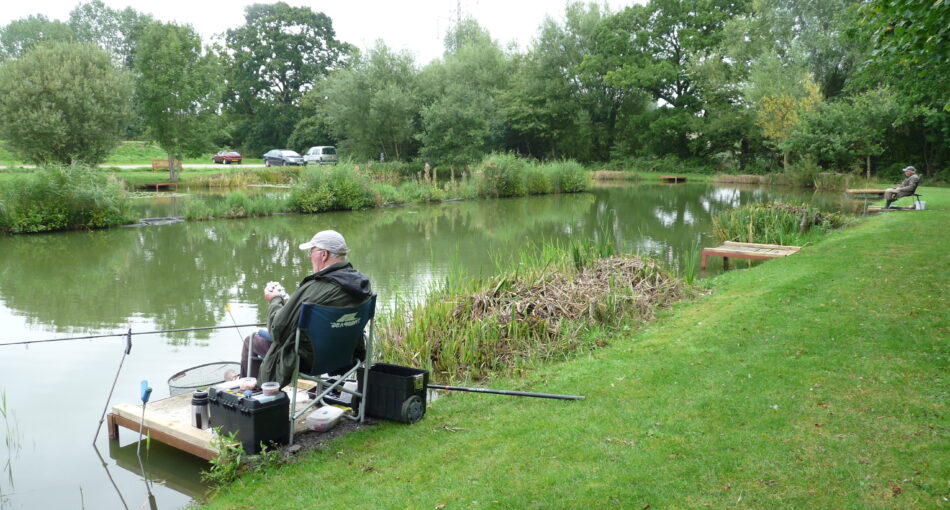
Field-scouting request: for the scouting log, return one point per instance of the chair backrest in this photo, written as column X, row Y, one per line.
column 335, row 333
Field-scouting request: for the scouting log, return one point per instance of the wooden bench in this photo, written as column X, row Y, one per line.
column 162, row 164
column 672, row 178
column 752, row 251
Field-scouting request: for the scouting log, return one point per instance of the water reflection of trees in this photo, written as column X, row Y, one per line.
column 183, row 275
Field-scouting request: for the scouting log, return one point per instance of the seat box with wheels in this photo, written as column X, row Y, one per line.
column 397, row 393
column 257, row 419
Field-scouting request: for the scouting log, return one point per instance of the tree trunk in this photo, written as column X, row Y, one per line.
column 785, row 160
column 869, row 166
column 172, row 169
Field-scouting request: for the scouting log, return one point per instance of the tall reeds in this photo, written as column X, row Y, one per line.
column 61, row 198
column 773, row 223
column 544, row 308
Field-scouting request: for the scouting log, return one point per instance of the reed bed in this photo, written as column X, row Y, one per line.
column 62, row 198
column 246, row 177
column 741, row 179
column 774, row 223
column 545, row 309
column 613, row 175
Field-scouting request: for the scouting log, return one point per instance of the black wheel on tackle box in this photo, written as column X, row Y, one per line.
column 413, row 408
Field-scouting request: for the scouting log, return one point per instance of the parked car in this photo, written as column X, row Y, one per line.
column 321, row 155
column 282, row 157
column 225, row 157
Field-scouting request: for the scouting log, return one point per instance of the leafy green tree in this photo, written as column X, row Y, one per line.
column 461, row 115
column 19, row 36
column 63, row 103
column 178, row 90
column 911, row 45
column 371, row 107
column 657, row 48
column 115, row 31
column 277, row 56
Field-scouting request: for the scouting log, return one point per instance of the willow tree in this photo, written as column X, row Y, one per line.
column 178, row 91
column 63, row 103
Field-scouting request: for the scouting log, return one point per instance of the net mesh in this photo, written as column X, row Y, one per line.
column 202, row 376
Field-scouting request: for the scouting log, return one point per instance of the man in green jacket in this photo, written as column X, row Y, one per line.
column 907, row 188
column 334, row 282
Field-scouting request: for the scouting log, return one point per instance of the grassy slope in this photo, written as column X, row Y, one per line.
column 817, row 381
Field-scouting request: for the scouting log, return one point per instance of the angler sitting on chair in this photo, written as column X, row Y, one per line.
column 907, row 187
column 333, row 283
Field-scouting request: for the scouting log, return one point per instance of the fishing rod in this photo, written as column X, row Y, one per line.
column 111, row 335
column 505, row 392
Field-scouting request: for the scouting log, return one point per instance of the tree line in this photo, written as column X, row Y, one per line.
column 722, row 85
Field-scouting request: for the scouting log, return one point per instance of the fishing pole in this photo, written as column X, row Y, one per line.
column 250, row 341
column 128, row 349
column 111, row 335
column 505, row 392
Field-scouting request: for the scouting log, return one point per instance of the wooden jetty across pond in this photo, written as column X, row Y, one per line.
column 169, row 421
column 672, row 178
column 755, row 251
column 865, row 191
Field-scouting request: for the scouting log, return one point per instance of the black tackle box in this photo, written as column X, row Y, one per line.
column 254, row 420
column 397, row 393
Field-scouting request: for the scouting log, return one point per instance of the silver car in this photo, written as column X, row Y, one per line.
column 321, row 155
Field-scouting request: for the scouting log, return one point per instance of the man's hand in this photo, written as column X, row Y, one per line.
column 272, row 290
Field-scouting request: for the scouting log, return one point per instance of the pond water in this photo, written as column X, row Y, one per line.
column 184, row 275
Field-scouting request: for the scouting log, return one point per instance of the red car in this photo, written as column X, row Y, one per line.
column 225, row 157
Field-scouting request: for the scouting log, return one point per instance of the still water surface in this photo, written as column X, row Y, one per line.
column 184, row 275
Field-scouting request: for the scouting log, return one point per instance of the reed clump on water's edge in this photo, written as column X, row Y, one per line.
column 544, row 309
column 775, row 223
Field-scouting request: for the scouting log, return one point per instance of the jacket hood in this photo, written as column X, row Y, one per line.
column 350, row 280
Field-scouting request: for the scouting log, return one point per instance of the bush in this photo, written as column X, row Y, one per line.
column 537, row 180
column 61, row 198
column 502, row 175
column 340, row 189
column 566, row 176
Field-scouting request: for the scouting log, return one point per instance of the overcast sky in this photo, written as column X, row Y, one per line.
column 415, row 25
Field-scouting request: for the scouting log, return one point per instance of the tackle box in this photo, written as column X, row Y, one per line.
column 256, row 419
column 397, row 393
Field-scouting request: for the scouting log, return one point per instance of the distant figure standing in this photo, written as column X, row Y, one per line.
column 907, row 188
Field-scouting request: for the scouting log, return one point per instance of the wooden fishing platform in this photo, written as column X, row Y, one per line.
column 169, row 421
column 755, row 251
column 158, row 186
column 865, row 191
column 672, row 178
column 880, row 208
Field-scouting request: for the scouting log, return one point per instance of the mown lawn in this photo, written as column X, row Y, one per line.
column 816, row 381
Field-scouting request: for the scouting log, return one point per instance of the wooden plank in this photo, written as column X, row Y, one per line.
column 168, row 438
column 673, row 178
column 864, row 191
column 880, row 208
column 758, row 245
column 169, row 420
column 753, row 251
column 742, row 254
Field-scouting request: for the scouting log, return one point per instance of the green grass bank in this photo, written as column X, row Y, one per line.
column 816, row 381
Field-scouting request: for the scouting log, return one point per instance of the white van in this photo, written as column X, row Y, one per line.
column 321, row 155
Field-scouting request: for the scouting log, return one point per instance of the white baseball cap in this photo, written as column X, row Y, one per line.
column 329, row 240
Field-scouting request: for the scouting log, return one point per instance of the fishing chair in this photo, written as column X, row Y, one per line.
column 335, row 335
